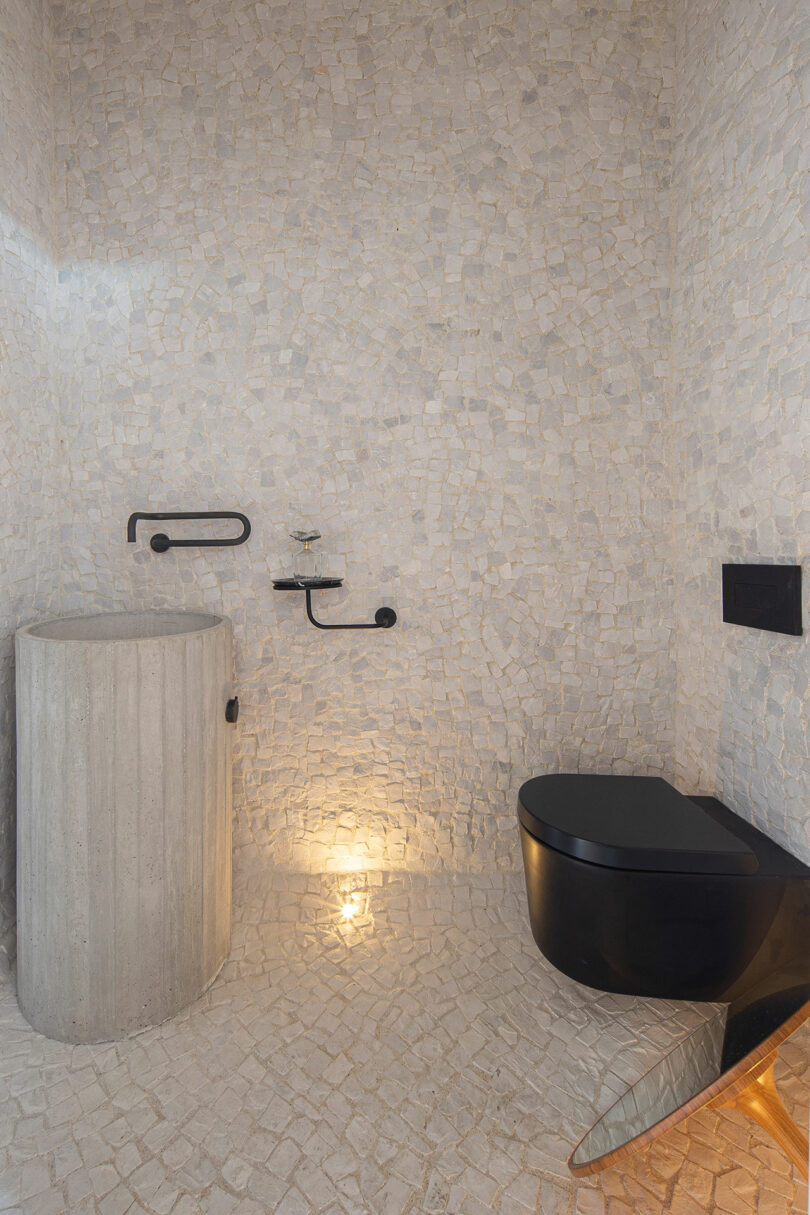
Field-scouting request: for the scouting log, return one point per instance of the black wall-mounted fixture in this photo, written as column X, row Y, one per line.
column 384, row 617
column 764, row 597
column 160, row 543
column 720, row 913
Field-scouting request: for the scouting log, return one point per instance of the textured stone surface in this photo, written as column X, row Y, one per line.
column 403, row 271
column 30, row 480
column 420, row 1057
column 124, row 818
column 741, row 421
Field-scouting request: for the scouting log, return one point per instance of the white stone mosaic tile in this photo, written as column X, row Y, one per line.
column 420, row 1056
column 401, row 271
column 404, row 271
column 30, row 473
column 741, row 398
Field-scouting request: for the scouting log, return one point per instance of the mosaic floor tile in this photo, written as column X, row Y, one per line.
column 418, row 1055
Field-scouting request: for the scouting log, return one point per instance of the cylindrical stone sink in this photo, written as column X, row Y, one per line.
column 123, row 818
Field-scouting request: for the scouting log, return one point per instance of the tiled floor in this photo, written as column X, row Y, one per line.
column 419, row 1057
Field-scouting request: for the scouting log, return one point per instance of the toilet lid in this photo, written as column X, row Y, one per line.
column 629, row 822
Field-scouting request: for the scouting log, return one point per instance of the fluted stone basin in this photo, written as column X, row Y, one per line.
column 123, row 818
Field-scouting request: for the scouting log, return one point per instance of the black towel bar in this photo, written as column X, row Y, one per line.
column 160, row 542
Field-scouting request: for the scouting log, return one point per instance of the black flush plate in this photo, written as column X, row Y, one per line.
column 764, row 597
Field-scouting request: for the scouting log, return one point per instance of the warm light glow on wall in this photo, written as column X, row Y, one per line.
column 367, row 834
column 345, row 859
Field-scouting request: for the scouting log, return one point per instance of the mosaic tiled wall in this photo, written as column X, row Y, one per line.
column 399, row 270
column 741, row 354
column 403, row 272
column 29, row 454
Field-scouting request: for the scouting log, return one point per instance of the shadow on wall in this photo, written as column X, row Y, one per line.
column 8, row 818
column 30, row 492
column 763, row 741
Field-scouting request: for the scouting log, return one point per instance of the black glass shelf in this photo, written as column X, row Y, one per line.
column 312, row 584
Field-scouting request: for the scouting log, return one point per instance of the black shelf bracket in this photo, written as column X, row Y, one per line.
column 160, row 543
column 384, row 617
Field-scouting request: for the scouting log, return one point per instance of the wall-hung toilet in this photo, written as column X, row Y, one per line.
column 634, row 888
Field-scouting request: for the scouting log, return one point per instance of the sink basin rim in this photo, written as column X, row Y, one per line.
column 133, row 626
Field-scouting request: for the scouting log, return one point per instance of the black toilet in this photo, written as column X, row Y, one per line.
column 634, row 888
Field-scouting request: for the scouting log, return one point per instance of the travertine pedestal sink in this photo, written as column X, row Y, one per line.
column 123, row 818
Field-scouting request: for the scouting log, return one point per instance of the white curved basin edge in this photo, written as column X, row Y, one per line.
column 121, row 626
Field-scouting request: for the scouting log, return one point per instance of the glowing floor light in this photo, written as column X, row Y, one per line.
column 351, row 906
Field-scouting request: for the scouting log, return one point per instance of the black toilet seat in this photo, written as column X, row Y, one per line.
column 630, row 822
